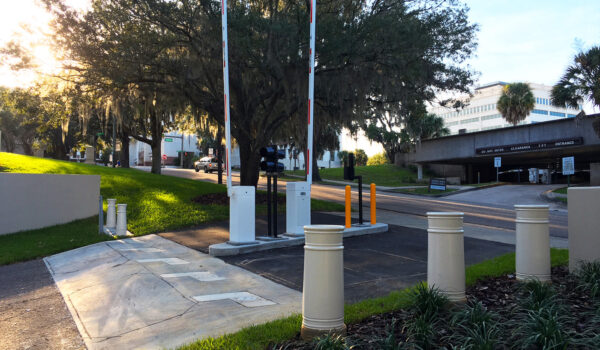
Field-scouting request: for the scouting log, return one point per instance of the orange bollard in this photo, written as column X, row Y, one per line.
column 373, row 205
column 348, row 208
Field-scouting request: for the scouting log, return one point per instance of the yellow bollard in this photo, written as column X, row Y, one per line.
column 348, row 208
column 373, row 205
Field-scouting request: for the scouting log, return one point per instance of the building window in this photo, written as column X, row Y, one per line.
column 539, row 111
column 557, row 114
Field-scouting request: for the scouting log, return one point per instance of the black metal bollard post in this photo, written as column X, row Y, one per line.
column 360, row 205
column 269, row 204
column 275, row 206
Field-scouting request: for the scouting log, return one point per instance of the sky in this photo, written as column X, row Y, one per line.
column 519, row 40
column 531, row 41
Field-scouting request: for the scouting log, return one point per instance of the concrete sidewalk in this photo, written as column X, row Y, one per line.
column 151, row 293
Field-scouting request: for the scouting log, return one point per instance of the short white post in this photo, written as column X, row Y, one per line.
column 446, row 254
column 121, row 219
column 533, row 243
column 323, row 288
column 111, row 213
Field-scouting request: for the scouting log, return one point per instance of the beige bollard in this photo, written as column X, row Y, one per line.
column 323, row 288
column 121, row 219
column 111, row 213
column 533, row 243
column 446, row 254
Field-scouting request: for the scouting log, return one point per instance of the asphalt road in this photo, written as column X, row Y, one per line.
column 495, row 212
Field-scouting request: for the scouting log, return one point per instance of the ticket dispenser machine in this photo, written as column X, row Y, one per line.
column 297, row 208
column 241, row 215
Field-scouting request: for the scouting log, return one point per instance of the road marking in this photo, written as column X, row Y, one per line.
column 243, row 298
column 201, row 276
column 170, row 261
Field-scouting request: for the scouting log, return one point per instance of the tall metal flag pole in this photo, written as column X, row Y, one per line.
column 311, row 91
column 226, row 95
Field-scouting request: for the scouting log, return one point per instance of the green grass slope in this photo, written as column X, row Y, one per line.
column 155, row 203
column 382, row 175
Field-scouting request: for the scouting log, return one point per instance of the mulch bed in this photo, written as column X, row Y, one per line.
column 222, row 199
column 500, row 295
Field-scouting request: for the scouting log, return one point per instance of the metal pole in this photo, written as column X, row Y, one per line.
column 114, row 160
column 311, row 91
column 360, row 206
column 269, row 216
column 181, row 159
column 568, row 180
column 100, row 216
column 496, row 174
column 226, row 95
column 275, row 206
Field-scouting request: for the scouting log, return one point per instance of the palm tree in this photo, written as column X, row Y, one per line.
column 580, row 82
column 516, row 102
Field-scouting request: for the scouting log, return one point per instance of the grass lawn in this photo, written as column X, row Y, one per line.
column 261, row 336
column 424, row 191
column 562, row 190
column 49, row 240
column 382, row 175
column 155, row 203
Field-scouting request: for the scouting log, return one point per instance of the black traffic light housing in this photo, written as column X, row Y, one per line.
column 271, row 156
column 349, row 167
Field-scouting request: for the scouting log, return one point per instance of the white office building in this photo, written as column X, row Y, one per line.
column 481, row 113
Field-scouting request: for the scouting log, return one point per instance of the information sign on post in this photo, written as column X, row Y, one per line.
column 210, row 151
column 568, row 168
column 437, row 184
column 497, row 165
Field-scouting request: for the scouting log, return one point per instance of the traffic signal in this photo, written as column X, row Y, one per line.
column 349, row 167
column 271, row 156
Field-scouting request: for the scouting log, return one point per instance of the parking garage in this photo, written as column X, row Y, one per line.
column 527, row 152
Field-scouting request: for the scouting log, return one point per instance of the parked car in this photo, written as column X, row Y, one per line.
column 208, row 164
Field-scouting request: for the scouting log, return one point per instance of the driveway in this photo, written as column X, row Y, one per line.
column 509, row 195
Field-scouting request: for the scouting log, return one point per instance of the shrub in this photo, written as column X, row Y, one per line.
column 378, row 159
column 360, row 157
column 588, row 276
column 332, row 342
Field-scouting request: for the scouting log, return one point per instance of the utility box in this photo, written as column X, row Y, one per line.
column 297, row 202
column 241, row 215
column 534, row 175
column 545, row 176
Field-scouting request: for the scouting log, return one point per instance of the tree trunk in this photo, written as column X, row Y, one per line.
column 219, row 150
column 315, row 173
column 124, row 156
column 156, row 157
column 249, row 162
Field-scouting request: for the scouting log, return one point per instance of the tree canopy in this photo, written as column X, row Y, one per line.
column 516, row 102
column 371, row 57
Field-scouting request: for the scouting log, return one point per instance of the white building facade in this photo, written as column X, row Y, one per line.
column 482, row 113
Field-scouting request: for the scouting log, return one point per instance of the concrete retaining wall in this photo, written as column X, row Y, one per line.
column 30, row 201
column 594, row 174
column 584, row 225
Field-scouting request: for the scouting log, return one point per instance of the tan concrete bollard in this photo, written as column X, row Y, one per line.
column 584, row 224
column 446, row 254
column 323, row 289
column 111, row 213
column 121, row 219
column 533, row 242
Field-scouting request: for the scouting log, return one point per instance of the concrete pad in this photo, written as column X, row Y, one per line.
column 125, row 294
column 226, row 249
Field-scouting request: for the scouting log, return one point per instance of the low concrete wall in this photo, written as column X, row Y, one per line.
column 584, row 224
column 30, row 201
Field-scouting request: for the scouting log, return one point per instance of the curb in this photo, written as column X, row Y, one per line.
column 225, row 249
